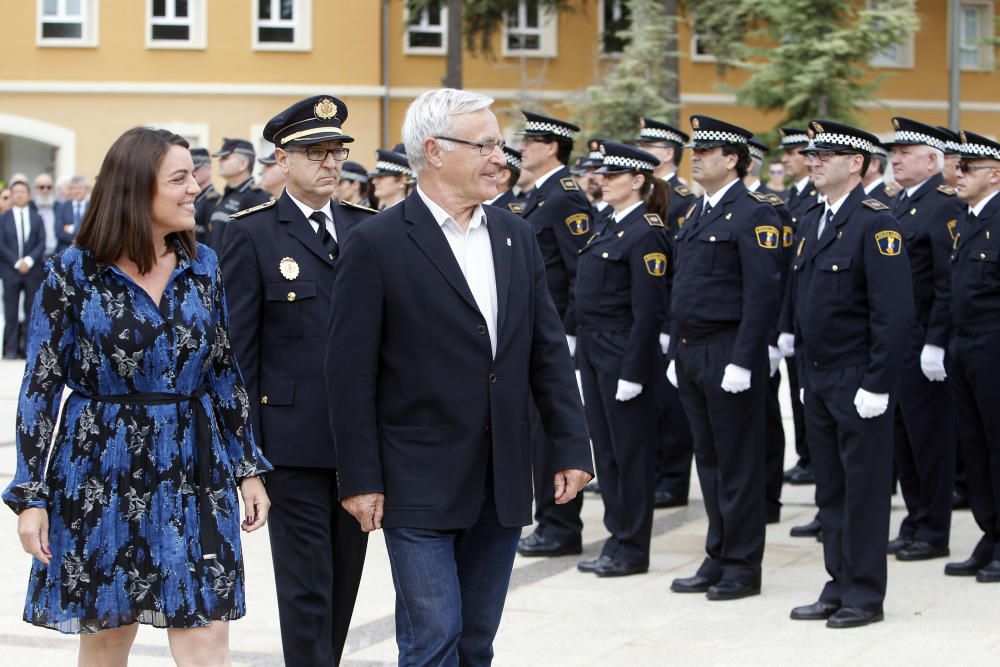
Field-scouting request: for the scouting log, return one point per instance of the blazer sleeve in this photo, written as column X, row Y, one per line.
column 648, row 294
column 569, row 249
column 37, row 249
column 939, row 325
column 761, row 273
column 8, row 254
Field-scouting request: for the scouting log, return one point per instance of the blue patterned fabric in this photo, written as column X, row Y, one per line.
column 119, row 482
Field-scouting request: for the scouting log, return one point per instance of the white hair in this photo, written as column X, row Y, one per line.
column 431, row 115
column 936, row 152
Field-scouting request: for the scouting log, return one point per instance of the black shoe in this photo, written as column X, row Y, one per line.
column 592, row 487
column 811, row 529
column 800, row 476
column 695, row 584
column 616, row 568
column 10, row 356
column 920, row 550
column 817, row 611
column 536, row 545
column 592, row 565
column 666, row 499
column 819, row 536
column 774, row 516
column 990, row 574
column 959, row 501
column 965, row 568
column 853, row 617
column 897, row 544
column 727, row 589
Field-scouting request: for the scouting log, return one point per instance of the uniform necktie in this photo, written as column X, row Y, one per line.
column 824, row 221
column 901, row 204
column 325, row 237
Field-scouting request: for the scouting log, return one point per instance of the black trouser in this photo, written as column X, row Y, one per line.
column 798, row 414
column 975, row 367
column 14, row 283
column 622, row 433
column 675, row 447
column 560, row 523
column 318, row 551
column 774, row 447
column 924, row 436
column 853, row 462
column 728, row 431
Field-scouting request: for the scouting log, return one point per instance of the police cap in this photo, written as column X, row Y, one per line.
column 651, row 130
column 977, row 147
column 792, row 137
column 309, row 121
column 238, row 146
column 200, row 157
column 620, row 158
column 711, row 132
column 828, row 135
column 537, row 125
column 914, row 133
column 392, row 163
column 353, row 171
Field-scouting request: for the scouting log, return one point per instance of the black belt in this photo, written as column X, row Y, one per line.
column 209, row 535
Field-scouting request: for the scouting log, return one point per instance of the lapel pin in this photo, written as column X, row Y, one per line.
column 289, row 268
column 728, row 216
column 913, row 211
column 840, row 234
column 508, row 241
column 622, row 233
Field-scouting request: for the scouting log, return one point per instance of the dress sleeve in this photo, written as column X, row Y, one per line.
column 51, row 339
column 229, row 395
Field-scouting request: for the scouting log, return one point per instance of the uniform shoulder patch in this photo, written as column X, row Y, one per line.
column 875, row 205
column 359, row 207
column 944, row 188
column 568, row 184
column 653, row 220
column 578, row 224
column 767, row 236
column 775, row 200
column 889, row 242
column 682, row 190
column 759, row 196
column 516, row 208
column 656, row 263
column 254, row 209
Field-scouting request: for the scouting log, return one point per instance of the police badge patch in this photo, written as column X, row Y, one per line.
column 767, row 236
column 656, row 263
column 889, row 243
column 787, row 236
column 289, row 268
column 578, row 223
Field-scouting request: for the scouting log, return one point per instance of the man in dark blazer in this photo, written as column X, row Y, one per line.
column 69, row 213
column 278, row 266
column 22, row 246
column 451, row 333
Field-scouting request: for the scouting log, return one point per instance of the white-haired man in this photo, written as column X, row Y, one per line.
column 451, row 323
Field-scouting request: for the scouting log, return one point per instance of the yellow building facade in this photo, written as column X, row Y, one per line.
column 74, row 74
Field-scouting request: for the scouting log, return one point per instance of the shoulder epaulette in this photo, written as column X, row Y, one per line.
column 775, row 200
column 254, row 209
column 759, row 196
column 516, row 208
column 653, row 220
column 946, row 189
column 568, row 184
column 875, row 205
column 682, row 191
column 359, row 207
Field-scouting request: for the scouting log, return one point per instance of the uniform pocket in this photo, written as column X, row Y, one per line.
column 288, row 303
column 835, row 272
column 717, row 253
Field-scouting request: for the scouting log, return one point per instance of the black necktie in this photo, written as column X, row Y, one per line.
column 325, row 237
column 76, row 213
column 901, row 204
column 824, row 221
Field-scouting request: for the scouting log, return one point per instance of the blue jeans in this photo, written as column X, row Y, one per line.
column 450, row 589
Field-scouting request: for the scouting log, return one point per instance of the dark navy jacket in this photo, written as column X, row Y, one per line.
column 975, row 273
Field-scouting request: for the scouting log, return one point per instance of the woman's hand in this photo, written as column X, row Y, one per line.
column 255, row 501
column 33, row 530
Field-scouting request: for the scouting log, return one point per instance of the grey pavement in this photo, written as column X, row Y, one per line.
column 557, row 616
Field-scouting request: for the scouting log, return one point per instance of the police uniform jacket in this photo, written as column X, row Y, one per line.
column 278, row 279
column 560, row 215
column 928, row 222
column 204, row 204
column 421, row 407
column 508, row 201
column 680, row 201
column 975, row 276
column 853, row 293
column 881, row 193
column 799, row 203
column 622, row 290
column 243, row 196
column 727, row 273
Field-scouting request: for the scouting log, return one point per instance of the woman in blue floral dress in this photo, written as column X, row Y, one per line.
column 132, row 514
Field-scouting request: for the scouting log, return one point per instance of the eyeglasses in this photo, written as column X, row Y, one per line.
column 339, row 153
column 485, row 148
column 966, row 167
column 824, row 156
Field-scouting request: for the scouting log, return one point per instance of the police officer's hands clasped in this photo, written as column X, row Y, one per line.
column 367, row 508
column 672, row 373
column 627, row 390
column 786, row 343
column 735, row 379
column 774, row 359
column 932, row 363
column 870, row 405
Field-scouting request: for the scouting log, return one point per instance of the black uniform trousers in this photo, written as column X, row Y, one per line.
column 728, row 432
column 559, row 523
column 774, row 447
column 924, row 436
column 975, row 367
column 15, row 282
column 798, row 414
column 675, row 448
column 624, row 449
column 853, row 462
column 313, row 537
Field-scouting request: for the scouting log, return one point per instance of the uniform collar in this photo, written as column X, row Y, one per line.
column 874, row 184
column 624, row 214
column 308, row 210
column 978, row 208
column 544, row 177
column 714, row 200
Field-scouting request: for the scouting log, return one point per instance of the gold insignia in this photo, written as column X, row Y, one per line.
column 568, row 184
column 729, row 216
column 594, row 146
column 656, row 263
column 253, row 209
column 787, row 236
column 895, row 123
column 951, row 224
column 802, row 242
column 944, row 188
column 359, row 207
column 653, row 220
column 913, row 211
column 680, row 221
column 775, row 200
column 810, row 133
column 759, row 196
column 691, row 210
column 682, row 191
column 875, row 205
column 889, row 243
column 642, row 122
column 516, row 208
column 325, row 109
column 601, row 148
column 695, row 123
column 767, row 236
column 289, row 268
column 578, row 223
column 818, row 128
column 961, row 134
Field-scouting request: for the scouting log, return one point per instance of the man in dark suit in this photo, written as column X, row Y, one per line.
column 236, row 160
column 69, row 213
column 22, row 246
column 451, row 327
column 278, row 265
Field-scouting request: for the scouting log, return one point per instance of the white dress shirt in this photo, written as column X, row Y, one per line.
column 621, row 216
column 978, row 208
column 544, row 177
column 874, row 184
column 48, row 216
column 714, row 200
column 327, row 210
column 22, row 229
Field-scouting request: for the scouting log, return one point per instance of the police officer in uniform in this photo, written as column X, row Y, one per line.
column 272, row 179
column 666, row 143
column 601, row 212
column 975, row 348
column 560, row 214
column 208, row 197
column 506, row 179
column 853, row 307
column 236, row 160
column 621, row 293
column 278, row 266
column 724, row 302
column 874, row 179
column 390, row 178
column 928, row 212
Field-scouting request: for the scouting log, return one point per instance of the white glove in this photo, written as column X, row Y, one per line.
column 627, row 390
column 672, row 373
column 870, row 405
column 774, row 358
column 932, row 363
column 571, row 341
column 802, row 396
column 786, row 343
column 735, row 379
column 664, row 342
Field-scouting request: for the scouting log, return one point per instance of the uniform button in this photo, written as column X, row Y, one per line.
column 487, row 429
column 711, row 238
column 481, row 329
column 493, row 378
column 604, row 255
column 684, row 340
column 982, row 255
column 815, row 364
column 263, row 399
column 835, row 267
column 291, row 296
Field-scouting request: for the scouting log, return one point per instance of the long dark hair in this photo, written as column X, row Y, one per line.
column 119, row 220
column 656, row 195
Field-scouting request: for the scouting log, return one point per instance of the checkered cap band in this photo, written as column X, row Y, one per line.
column 538, row 127
column 383, row 165
column 512, row 160
column 627, row 162
column 717, row 135
column 847, row 140
column 792, row 139
column 910, row 137
column 756, row 153
column 660, row 134
column 952, row 146
column 981, row 150
column 595, row 155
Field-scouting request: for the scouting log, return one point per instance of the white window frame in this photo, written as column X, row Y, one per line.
column 901, row 56
column 985, row 8
column 260, row 144
column 301, row 22
column 424, row 25
column 547, row 31
column 88, row 19
column 700, row 57
column 196, row 22
column 197, row 134
column 601, row 5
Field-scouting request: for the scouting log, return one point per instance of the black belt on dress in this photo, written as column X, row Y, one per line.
column 209, row 535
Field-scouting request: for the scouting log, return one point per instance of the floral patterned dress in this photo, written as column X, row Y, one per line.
column 122, row 482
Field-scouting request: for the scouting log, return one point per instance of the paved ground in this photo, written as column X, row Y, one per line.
column 556, row 616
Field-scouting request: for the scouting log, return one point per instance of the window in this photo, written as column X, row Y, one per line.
column 175, row 24
column 530, row 30
column 898, row 56
column 67, row 23
column 976, row 20
column 615, row 18
column 427, row 31
column 196, row 133
column 700, row 53
column 282, row 25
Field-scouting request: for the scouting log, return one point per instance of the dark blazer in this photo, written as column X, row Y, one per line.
column 35, row 247
column 66, row 226
column 278, row 325
column 419, row 407
column 681, row 199
column 508, row 201
column 881, row 193
column 975, row 277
